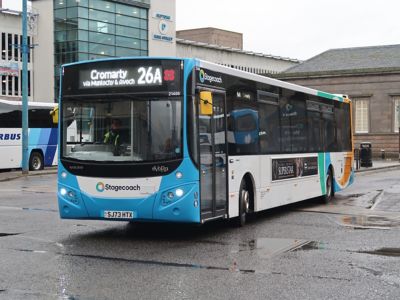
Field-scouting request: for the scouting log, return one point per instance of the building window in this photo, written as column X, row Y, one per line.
column 90, row 29
column 396, row 113
column 3, row 85
column 3, row 46
column 361, row 115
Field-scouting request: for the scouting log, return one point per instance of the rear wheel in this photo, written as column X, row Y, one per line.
column 327, row 198
column 244, row 204
column 36, row 161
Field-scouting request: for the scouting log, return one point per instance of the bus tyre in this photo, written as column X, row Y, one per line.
column 327, row 198
column 36, row 161
column 244, row 204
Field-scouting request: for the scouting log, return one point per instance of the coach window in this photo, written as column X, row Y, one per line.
column 298, row 125
column 269, row 129
column 285, row 111
column 328, row 129
column 340, row 127
column 10, row 119
column 314, row 126
column 40, row 118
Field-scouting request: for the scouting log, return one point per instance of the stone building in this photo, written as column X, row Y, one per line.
column 370, row 76
column 226, row 48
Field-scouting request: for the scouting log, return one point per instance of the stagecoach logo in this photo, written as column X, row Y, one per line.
column 101, row 187
column 288, row 111
column 203, row 76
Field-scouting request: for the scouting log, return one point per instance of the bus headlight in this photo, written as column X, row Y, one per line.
column 178, row 175
column 64, row 174
column 179, row 192
column 63, row 191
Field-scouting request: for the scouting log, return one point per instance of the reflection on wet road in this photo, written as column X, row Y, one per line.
column 306, row 250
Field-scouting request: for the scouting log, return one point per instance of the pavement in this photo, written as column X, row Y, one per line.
column 6, row 175
column 379, row 164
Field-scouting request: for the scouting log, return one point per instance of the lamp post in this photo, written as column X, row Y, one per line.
column 25, row 51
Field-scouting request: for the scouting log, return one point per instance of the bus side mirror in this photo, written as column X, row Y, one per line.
column 206, row 107
column 54, row 115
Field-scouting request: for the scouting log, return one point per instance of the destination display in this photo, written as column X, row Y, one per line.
column 123, row 76
column 294, row 167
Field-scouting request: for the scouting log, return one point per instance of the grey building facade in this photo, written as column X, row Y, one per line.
column 226, row 48
column 370, row 76
column 75, row 30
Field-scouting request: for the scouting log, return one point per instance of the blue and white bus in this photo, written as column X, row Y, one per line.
column 42, row 143
column 194, row 141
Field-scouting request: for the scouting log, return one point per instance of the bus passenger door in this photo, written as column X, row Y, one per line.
column 213, row 156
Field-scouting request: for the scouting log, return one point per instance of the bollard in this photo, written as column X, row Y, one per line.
column 383, row 156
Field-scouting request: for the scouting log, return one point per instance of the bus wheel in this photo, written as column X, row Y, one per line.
column 36, row 161
column 244, row 204
column 327, row 198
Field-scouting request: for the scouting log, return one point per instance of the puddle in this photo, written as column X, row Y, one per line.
column 31, row 251
column 233, row 268
column 39, row 209
column 368, row 222
column 312, row 246
column 269, row 247
column 393, row 252
column 354, row 195
column 2, row 234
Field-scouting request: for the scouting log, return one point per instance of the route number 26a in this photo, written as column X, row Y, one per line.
column 149, row 76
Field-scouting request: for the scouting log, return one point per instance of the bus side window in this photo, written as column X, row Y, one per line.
column 269, row 131
column 11, row 119
column 40, row 118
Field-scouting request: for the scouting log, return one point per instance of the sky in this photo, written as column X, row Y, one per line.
column 297, row 29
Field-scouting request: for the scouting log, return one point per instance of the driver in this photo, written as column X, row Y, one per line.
column 112, row 137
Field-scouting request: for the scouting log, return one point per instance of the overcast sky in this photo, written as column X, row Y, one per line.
column 297, row 28
column 293, row 28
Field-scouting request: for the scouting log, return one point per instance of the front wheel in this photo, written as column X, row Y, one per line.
column 327, row 198
column 36, row 161
column 244, row 204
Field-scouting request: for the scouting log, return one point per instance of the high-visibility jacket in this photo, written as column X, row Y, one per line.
column 111, row 138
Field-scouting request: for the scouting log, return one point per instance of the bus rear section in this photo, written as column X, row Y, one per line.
column 122, row 154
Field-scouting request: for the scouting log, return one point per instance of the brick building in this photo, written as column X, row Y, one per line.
column 371, row 78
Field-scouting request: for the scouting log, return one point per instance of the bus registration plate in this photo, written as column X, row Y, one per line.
column 113, row 214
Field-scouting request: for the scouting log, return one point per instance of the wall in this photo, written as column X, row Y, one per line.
column 162, row 28
column 254, row 63
column 213, row 36
column 12, row 24
column 43, row 53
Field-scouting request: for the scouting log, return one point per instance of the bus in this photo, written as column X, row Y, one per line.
column 196, row 141
column 42, row 132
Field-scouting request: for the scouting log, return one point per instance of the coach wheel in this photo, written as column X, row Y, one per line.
column 329, row 188
column 244, row 204
column 36, row 161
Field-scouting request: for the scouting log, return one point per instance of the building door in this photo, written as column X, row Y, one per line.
column 213, row 159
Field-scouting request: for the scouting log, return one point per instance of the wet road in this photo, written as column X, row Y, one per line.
column 346, row 250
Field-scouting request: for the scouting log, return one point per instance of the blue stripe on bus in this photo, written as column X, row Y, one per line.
column 51, row 147
column 44, row 139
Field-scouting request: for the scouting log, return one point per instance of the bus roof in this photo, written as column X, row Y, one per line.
column 230, row 71
column 267, row 80
column 31, row 104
